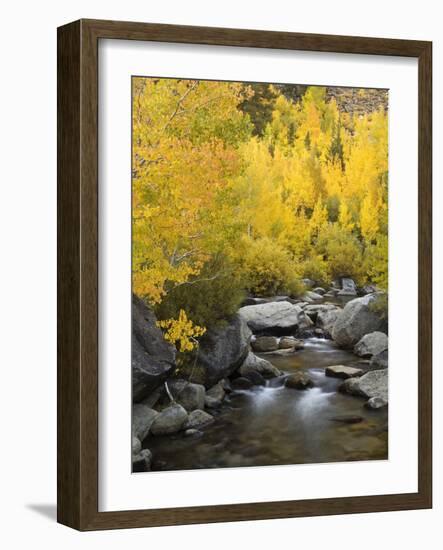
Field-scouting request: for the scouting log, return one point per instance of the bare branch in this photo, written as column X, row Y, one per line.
column 180, row 102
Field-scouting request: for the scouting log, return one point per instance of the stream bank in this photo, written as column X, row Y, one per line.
column 251, row 412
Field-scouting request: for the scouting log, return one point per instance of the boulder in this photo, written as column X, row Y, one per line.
column 341, row 371
column 289, row 342
column 223, row 349
column 226, row 384
column 371, row 344
column 355, row 320
column 215, row 395
column 299, row 381
column 256, row 378
column 348, row 287
column 275, row 318
column 369, row 289
column 136, row 445
column 170, row 420
column 372, row 384
column 309, row 283
column 192, row 432
column 254, row 301
column 379, row 361
column 311, row 296
column 188, row 395
column 265, row 343
column 319, row 290
column 141, row 462
column 252, row 363
column 376, row 403
column 326, row 320
column 198, row 419
column 142, row 420
column 312, row 310
column 153, row 359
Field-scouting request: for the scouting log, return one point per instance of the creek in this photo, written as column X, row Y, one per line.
column 272, row 424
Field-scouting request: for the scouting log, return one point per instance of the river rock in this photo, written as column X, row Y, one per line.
column 153, row 359
column 142, row 420
column 355, row 320
column 198, row 419
column 141, row 462
column 252, row 301
column 342, row 371
column 215, row 395
column 223, row 349
column 241, row 383
column 136, row 445
column 314, row 309
column 369, row 289
column 289, row 342
column 309, row 283
column 319, row 290
column 255, row 301
column 256, row 378
column 311, row 296
column 188, row 395
column 379, row 361
column 372, row 384
column 371, row 344
column 275, row 317
column 192, row 432
column 299, row 381
column 226, row 385
column 170, row 420
column 326, row 320
column 265, row 343
column 253, row 363
column 348, row 287
column 376, row 403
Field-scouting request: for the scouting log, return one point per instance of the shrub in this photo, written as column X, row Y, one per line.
column 316, row 268
column 376, row 262
column 380, row 305
column 342, row 252
column 208, row 299
column 267, row 268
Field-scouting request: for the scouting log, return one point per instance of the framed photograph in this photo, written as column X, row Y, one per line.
column 244, row 275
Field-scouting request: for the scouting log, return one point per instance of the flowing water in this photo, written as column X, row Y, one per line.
column 278, row 425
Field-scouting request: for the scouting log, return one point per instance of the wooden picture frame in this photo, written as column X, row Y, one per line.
column 78, row 273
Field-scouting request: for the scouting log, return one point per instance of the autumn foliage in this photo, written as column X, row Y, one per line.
column 250, row 188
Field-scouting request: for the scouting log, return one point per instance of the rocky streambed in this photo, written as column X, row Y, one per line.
column 288, row 393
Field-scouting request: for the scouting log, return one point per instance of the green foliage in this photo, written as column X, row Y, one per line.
column 342, row 251
column 259, row 106
column 380, row 305
column 209, row 298
column 317, row 269
column 376, row 261
column 267, row 268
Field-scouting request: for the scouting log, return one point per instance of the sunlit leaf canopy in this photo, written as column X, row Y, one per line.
column 251, row 187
